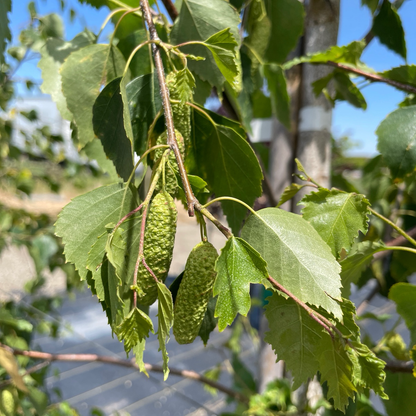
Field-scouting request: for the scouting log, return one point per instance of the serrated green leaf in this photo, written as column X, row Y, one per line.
column 83, row 220
column 83, row 73
column 237, row 266
column 397, row 141
column 138, row 351
column 404, row 295
column 401, row 389
column 286, row 17
column 165, row 319
column 387, row 26
column 209, row 322
column 134, row 328
column 53, row 55
column 337, row 216
column 108, row 124
column 199, row 20
column 223, row 48
column 296, row 257
column 276, row 82
column 289, row 192
column 368, row 370
column 294, row 336
column 359, row 258
column 143, row 98
column 227, row 163
column 5, row 34
column 404, row 73
column 337, row 370
column 346, row 54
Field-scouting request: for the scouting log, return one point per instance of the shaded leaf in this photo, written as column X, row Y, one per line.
column 108, row 124
column 276, row 82
column 404, row 295
column 358, row 260
column 296, row 257
column 209, row 322
column 401, row 389
column 387, row 26
column 199, row 20
column 227, row 163
column 286, row 17
column 397, row 141
column 143, row 98
column 83, row 220
column 294, row 336
column 237, row 266
column 134, row 328
column 83, row 73
column 348, row 91
column 95, row 151
column 337, row 216
column 165, row 319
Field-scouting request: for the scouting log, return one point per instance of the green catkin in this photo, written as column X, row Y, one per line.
column 194, row 292
column 159, row 239
column 171, row 169
column 181, row 112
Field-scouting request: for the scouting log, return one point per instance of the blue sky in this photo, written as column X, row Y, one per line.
column 355, row 22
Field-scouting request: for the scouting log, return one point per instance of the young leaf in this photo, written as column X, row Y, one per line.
column 5, row 35
column 228, row 164
column 210, row 322
column 134, row 328
column 286, row 17
column 368, row 370
column 359, row 258
column 337, row 370
column 289, row 192
column 348, row 91
column 165, row 319
column 199, row 20
column 294, row 336
column 108, row 124
column 237, row 266
column 296, row 256
column 53, row 55
column 397, row 141
column 185, row 84
column 387, row 26
column 83, row 74
column 276, row 82
column 337, row 216
column 83, row 220
column 405, row 74
column 222, row 46
column 143, row 98
column 404, row 295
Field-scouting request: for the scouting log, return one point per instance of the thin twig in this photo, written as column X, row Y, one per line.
column 399, row 241
column 372, row 77
column 30, row 370
column 125, row 363
column 164, row 92
column 399, row 366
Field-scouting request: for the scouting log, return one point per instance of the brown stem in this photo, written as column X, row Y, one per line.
column 164, row 92
column 170, row 7
column 373, row 77
column 128, row 216
column 126, row 363
column 399, row 366
column 30, row 370
column 314, row 315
